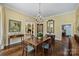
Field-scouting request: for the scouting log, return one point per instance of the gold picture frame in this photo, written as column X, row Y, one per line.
column 14, row 26
column 50, row 26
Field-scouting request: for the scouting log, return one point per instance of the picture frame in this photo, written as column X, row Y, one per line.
column 14, row 26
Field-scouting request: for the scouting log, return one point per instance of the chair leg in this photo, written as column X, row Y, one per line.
column 43, row 51
column 23, row 52
column 26, row 53
column 50, row 51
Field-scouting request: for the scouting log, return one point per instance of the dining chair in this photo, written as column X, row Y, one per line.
column 27, row 48
column 47, row 46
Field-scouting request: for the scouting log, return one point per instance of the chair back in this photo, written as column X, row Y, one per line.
column 76, row 37
column 49, row 41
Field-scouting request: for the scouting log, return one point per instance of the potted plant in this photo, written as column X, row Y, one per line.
column 39, row 35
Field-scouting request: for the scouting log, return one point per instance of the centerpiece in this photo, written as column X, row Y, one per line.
column 40, row 35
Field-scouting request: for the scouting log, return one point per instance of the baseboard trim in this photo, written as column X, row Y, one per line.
column 11, row 45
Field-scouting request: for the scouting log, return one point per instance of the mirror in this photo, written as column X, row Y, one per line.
column 50, row 26
column 29, row 28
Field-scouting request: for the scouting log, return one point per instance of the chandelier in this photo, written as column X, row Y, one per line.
column 39, row 18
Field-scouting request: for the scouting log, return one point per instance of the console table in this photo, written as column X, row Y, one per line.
column 15, row 36
column 52, row 36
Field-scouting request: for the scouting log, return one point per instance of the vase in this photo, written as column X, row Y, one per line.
column 39, row 37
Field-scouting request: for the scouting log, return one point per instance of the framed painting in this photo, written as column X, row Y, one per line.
column 14, row 26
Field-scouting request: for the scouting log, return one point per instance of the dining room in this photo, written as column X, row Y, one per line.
column 38, row 29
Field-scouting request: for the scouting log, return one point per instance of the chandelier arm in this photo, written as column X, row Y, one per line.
column 39, row 12
column 38, row 18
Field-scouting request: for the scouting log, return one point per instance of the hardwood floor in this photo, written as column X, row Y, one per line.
column 59, row 49
column 75, row 48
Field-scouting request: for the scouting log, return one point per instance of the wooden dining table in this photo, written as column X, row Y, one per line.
column 36, row 42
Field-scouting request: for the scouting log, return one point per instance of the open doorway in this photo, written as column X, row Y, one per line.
column 40, row 28
column 66, row 30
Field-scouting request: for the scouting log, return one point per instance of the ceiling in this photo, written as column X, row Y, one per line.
column 47, row 9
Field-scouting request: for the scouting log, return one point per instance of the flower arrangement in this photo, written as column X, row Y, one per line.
column 40, row 35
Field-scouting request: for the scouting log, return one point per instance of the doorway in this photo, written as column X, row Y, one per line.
column 39, row 28
column 66, row 30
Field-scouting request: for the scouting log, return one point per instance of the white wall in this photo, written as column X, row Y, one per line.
column 59, row 20
column 14, row 15
column 0, row 32
column 1, row 28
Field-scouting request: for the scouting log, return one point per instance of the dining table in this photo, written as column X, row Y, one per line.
column 35, row 42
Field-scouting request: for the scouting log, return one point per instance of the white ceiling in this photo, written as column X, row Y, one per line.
column 47, row 9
